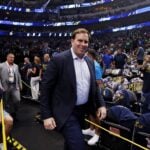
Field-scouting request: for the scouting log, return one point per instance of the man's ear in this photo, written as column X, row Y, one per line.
column 72, row 40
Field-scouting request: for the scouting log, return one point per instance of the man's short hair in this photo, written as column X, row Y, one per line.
column 79, row 30
column 93, row 53
column 10, row 53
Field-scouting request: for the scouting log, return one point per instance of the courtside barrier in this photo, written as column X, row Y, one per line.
column 28, row 86
column 116, row 135
column 3, row 126
column 15, row 144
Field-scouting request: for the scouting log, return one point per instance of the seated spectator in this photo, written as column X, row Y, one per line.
column 124, row 97
column 143, row 124
column 121, row 115
column 108, row 94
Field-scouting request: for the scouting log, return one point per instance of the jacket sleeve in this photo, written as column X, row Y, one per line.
column 19, row 79
column 99, row 97
column 47, row 88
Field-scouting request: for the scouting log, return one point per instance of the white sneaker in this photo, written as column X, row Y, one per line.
column 88, row 132
column 93, row 140
column 148, row 145
column 148, row 142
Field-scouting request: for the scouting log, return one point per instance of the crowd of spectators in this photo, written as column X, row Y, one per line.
column 128, row 41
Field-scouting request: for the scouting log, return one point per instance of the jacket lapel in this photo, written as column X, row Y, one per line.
column 91, row 69
column 6, row 70
column 90, row 65
column 71, row 70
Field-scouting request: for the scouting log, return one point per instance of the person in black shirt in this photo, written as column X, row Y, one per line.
column 36, row 73
column 120, row 59
column 25, row 77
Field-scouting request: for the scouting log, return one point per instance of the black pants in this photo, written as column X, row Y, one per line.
column 74, row 139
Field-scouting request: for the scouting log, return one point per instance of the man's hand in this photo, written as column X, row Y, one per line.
column 49, row 123
column 101, row 112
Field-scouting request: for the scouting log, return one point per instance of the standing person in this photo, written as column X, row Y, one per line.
column 11, row 84
column 69, row 90
column 120, row 59
column 107, row 59
column 93, row 131
column 98, row 69
column 140, row 55
column 25, row 77
column 35, row 73
column 46, row 59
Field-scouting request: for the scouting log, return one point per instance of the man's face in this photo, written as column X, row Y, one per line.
column 80, row 44
column 46, row 57
column 10, row 58
column 119, row 51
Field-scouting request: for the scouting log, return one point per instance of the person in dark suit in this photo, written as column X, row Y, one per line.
column 69, row 90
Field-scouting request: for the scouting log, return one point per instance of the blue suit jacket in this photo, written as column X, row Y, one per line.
column 58, row 94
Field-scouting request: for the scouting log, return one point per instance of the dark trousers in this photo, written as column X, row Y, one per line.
column 12, row 99
column 74, row 139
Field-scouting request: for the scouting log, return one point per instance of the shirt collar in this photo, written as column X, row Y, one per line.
column 75, row 56
column 9, row 64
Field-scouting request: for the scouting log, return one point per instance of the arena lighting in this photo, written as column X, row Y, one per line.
column 79, row 4
column 19, row 9
column 15, row 9
column 92, row 32
column 41, row 10
column 60, row 34
column 65, row 34
column 39, row 34
column 105, row 19
column 50, row 34
column 28, row 10
column 125, row 28
column 33, row 34
column 73, row 23
column 130, row 27
column 11, row 33
column 10, row 8
column 28, row 34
